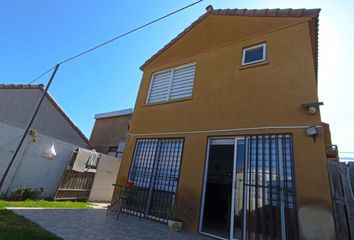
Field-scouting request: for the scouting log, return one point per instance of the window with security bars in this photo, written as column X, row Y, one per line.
column 269, row 188
column 171, row 84
column 155, row 171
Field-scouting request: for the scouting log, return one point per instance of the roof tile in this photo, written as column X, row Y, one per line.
column 261, row 13
column 296, row 12
column 272, row 12
column 251, row 13
column 283, row 12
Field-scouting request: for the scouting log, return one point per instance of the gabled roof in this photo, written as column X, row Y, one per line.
column 297, row 13
column 51, row 99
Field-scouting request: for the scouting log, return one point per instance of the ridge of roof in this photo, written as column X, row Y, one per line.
column 52, row 100
column 21, row 86
column 276, row 12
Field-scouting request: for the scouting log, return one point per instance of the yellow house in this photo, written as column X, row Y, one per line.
column 227, row 123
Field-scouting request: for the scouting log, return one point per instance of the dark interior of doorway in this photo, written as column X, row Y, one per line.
column 218, row 192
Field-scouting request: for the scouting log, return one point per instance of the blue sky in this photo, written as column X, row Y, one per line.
column 37, row 34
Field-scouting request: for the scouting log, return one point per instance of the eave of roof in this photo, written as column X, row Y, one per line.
column 119, row 113
column 313, row 13
column 51, row 99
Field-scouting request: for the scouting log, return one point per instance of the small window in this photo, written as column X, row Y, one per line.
column 170, row 84
column 254, row 54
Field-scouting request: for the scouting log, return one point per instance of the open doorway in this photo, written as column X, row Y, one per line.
column 218, row 194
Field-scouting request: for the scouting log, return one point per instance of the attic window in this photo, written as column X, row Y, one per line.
column 254, row 54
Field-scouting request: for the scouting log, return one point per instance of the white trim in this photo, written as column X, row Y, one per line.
column 211, row 235
column 245, row 190
column 185, row 65
column 233, row 192
column 149, row 91
column 204, row 186
column 264, row 58
column 222, row 130
column 119, row 113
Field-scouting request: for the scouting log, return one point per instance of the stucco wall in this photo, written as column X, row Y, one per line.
column 31, row 169
column 227, row 96
column 18, row 110
column 106, row 174
column 107, row 132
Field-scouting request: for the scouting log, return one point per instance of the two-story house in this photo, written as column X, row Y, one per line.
column 227, row 122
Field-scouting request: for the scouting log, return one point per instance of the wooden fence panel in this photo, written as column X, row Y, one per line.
column 338, row 201
column 342, row 198
column 75, row 185
column 348, row 197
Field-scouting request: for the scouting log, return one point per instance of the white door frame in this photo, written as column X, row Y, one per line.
column 235, row 139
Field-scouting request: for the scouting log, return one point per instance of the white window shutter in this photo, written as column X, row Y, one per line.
column 159, row 87
column 172, row 84
column 182, row 82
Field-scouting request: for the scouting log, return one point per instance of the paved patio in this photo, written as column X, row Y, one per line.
column 77, row 224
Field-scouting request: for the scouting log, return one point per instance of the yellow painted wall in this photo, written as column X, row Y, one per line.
column 225, row 96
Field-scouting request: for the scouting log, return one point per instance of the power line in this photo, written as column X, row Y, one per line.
column 41, row 75
column 23, row 86
column 65, row 61
column 103, row 44
column 127, row 33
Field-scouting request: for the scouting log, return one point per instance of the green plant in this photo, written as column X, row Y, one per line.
column 178, row 212
column 22, row 193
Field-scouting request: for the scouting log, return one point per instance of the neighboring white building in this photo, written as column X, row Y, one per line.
column 35, row 165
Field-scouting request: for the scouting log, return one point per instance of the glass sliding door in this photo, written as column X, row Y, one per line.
column 270, row 209
column 259, row 199
column 238, row 186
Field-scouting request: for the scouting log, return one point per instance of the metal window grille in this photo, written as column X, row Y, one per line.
column 155, row 171
column 270, row 188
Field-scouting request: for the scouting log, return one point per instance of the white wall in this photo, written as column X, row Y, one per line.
column 106, row 174
column 17, row 111
column 31, row 169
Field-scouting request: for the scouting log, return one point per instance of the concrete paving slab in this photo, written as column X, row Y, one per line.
column 87, row 224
